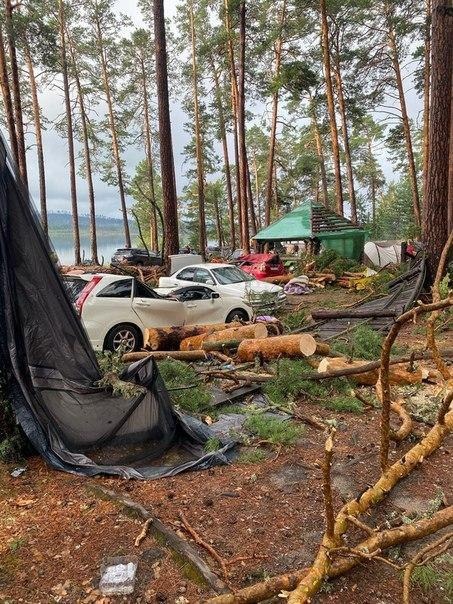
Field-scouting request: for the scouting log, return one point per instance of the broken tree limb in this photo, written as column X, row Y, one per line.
column 327, row 486
column 159, row 355
column 384, row 377
column 342, row 313
column 397, row 375
column 143, row 532
column 379, row 541
column 356, row 370
column 256, row 330
column 169, row 338
column 290, row 346
column 406, row 422
column 163, row 533
column 432, row 550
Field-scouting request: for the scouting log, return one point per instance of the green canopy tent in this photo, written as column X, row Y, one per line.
column 312, row 220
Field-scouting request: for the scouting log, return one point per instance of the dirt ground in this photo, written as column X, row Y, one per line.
column 55, row 533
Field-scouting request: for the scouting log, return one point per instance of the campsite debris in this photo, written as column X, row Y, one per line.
column 165, row 534
column 158, row 355
column 18, row 472
column 290, row 346
column 118, row 576
column 235, row 334
column 169, row 338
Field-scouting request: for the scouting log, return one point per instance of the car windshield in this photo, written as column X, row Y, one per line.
column 231, row 274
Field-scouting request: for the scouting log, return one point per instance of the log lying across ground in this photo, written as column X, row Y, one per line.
column 237, row 334
column 278, row 279
column 290, row 346
column 398, row 375
column 169, row 338
column 344, row 313
column 159, row 355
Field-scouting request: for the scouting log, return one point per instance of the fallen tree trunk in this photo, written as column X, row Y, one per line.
column 256, row 330
column 278, row 279
column 398, row 375
column 169, row 338
column 158, row 355
column 344, row 313
column 355, row 370
column 290, row 346
column 377, row 542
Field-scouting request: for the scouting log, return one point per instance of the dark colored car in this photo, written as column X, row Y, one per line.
column 136, row 257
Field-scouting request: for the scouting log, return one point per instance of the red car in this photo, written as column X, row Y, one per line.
column 262, row 265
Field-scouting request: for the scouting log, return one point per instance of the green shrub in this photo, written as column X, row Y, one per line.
column 294, row 320
column 362, row 343
column 177, row 374
column 273, row 430
column 325, row 259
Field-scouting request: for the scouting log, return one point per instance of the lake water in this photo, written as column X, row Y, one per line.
column 107, row 244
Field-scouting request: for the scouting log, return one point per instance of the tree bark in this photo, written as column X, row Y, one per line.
column 153, row 232
column 257, row 330
column 160, row 355
column 406, row 125
column 331, row 108
column 426, row 93
column 167, row 167
column 70, row 133
column 273, row 134
column 16, row 94
column 38, row 136
column 7, row 100
column 87, row 156
column 113, row 130
column 202, row 240
column 437, row 202
column 288, row 346
column 397, row 375
column 226, row 159
column 320, row 154
column 344, row 128
column 169, row 338
column 243, row 171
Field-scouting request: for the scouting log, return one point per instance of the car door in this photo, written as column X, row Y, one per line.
column 201, row 307
column 181, row 278
column 155, row 311
column 202, row 275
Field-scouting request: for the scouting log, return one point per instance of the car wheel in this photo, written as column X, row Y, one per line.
column 238, row 314
column 124, row 337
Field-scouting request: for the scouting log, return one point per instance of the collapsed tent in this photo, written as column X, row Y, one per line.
column 52, row 372
column 382, row 253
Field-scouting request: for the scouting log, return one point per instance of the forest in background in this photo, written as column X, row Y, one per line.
column 285, row 100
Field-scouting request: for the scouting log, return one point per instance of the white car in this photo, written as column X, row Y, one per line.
column 228, row 280
column 116, row 310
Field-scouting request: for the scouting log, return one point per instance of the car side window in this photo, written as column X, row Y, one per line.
column 187, row 274
column 141, row 291
column 202, row 276
column 117, row 289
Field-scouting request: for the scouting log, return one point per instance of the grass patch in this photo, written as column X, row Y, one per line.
column 363, row 343
column 273, row 430
column 177, row 374
column 253, row 456
column 212, row 444
column 432, row 575
column 344, row 403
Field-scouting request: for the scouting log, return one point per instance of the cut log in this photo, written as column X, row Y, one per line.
column 290, row 346
column 345, row 313
column 398, row 375
column 158, row 355
column 220, row 345
column 169, row 338
column 257, row 330
column 278, row 279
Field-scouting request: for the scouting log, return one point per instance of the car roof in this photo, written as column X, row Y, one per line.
column 105, row 276
column 209, row 265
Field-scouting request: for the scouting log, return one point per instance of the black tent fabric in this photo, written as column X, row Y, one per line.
column 52, row 371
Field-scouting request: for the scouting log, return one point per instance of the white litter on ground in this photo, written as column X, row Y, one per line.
column 118, row 576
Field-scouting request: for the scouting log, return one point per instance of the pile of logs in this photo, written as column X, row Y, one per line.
column 146, row 274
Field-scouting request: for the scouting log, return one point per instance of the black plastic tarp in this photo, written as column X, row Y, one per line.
column 52, row 372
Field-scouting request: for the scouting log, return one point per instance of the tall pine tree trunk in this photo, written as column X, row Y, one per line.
column 113, row 131
column 331, row 108
column 202, row 239
column 245, row 233
column 16, row 95
column 38, row 136
column 450, row 174
column 153, row 232
column 257, row 190
column 7, row 100
column 426, row 93
column 273, row 134
column 347, row 150
column 226, row 159
column 406, row 125
column 320, row 154
column 87, row 156
column 170, row 201
column 435, row 219
column 70, row 134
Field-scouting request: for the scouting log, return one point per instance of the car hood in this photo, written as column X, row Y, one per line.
column 254, row 287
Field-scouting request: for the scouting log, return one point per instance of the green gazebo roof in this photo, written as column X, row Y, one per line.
column 309, row 219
